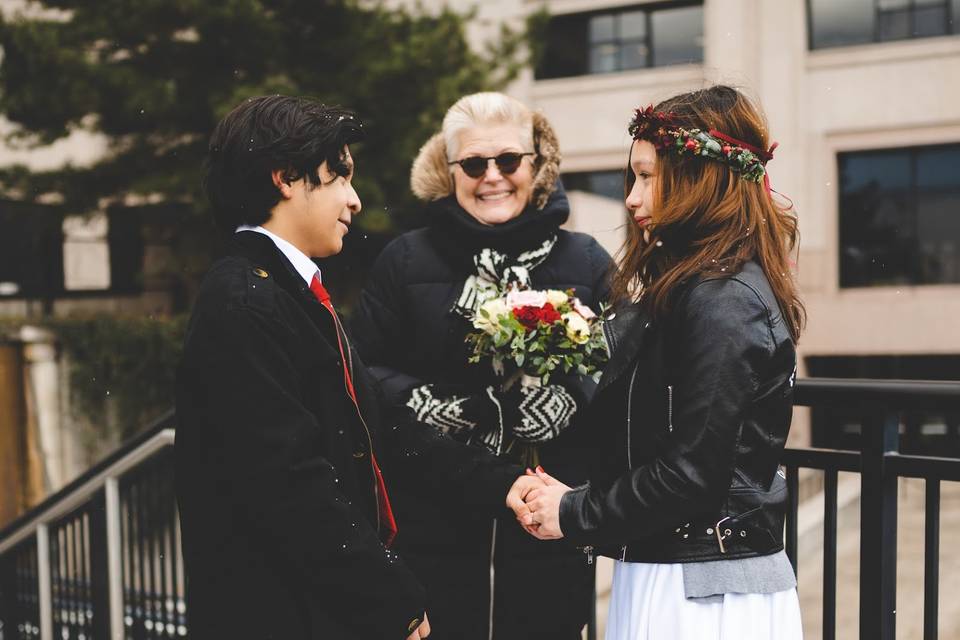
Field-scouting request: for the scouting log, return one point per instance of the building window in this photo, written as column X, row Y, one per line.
column 623, row 39
column 31, row 259
column 608, row 184
column 52, row 255
column 921, row 432
column 900, row 216
column 851, row 22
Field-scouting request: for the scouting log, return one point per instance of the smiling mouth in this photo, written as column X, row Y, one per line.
column 494, row 196
column 642, row 220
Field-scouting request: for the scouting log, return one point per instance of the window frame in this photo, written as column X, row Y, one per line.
column 648, row 9
column 876, row 39
column 913, row 270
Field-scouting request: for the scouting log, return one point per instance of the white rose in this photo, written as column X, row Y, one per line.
column 489, row 322
column 556, row 298
column 526, row 299
column 578, row 330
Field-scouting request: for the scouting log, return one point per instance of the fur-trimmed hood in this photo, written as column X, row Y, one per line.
column 430, row 177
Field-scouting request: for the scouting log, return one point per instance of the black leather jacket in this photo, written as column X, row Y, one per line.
column 688, row 427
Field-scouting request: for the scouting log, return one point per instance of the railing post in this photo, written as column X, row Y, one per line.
column 114, row 558
column 878, row 529
column 44, row 583
column 99, row 566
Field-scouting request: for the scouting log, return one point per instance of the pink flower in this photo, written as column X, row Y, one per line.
column 526, row 299
column 585, row 312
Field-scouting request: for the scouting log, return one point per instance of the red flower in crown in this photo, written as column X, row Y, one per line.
column 646, row 120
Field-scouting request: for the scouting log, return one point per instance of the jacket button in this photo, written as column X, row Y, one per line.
column 710, row 532
column 260, row 273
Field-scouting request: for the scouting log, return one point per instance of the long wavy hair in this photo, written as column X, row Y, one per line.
column 708, row 220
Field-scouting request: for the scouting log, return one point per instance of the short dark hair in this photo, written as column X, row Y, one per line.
column 266, row 133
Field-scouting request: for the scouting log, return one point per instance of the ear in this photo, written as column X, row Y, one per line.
column 282, row 183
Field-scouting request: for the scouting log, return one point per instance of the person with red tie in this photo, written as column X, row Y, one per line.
column 285, row 454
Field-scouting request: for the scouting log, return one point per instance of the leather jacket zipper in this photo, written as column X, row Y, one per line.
column 633, row 378
column 670, row 407
column 589, row 551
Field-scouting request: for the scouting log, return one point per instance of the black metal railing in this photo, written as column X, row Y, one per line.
column 101, row 558
column 153, row 584
column 880, row 465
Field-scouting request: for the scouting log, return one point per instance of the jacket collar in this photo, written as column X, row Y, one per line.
column 263, row 253
column 626, row 332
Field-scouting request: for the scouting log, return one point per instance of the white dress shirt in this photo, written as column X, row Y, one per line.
column 306, row 267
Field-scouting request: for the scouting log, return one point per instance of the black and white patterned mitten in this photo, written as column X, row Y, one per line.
column 543, row 413
column 452, row 414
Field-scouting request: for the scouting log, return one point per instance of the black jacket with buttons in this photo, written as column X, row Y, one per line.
column 273, row 473
column 688, row 426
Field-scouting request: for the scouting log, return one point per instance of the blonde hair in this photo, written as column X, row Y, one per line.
column 485, row 109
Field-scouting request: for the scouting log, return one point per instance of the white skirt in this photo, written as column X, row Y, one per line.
column 647, row 602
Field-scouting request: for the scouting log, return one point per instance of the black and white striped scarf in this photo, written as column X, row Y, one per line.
column 495, row 273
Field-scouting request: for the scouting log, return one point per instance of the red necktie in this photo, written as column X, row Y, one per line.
column 387, row 522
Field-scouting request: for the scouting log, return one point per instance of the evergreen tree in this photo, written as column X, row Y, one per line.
column 155, row 76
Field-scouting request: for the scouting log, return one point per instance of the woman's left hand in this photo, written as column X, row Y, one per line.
column 543, row 519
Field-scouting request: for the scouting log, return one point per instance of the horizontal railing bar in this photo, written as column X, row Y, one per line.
column 51, row 509
column 855, row 393
column 910, row 466
column 822, row 459
column 163, row 423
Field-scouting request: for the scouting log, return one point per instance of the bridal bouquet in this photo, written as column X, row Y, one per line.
column 535, row 333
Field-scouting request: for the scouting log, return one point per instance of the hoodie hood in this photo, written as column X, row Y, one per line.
column 430, row 177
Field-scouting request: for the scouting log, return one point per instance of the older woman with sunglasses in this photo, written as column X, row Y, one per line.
column 490, row 182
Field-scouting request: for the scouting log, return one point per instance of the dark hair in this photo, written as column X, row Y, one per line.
column 708, row 220
column 263, row 134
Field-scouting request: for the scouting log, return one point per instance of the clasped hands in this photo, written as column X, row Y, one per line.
column 535, row 500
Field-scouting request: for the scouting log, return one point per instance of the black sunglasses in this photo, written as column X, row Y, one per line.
column 476, row 166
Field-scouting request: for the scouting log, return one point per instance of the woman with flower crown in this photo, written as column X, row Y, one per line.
column 494, row 205
column 692, row 412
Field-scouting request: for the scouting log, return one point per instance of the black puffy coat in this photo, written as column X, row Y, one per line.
column 406, row 331
column 688, row 427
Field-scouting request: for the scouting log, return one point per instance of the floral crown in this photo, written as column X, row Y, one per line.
column 659, row 128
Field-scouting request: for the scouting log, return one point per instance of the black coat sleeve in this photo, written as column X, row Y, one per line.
column 378, row 321
column 240, row 390
column 724, row 344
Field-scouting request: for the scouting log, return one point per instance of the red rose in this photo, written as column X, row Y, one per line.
column 528, row 316
column 548, row 314
column 531, row 317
